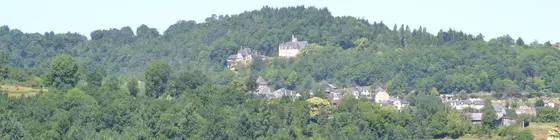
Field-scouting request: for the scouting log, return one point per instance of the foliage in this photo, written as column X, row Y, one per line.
column 539, row 103
column 157, row 75
column 63, row 73
column 488, row 115
column 4, row 65
column 132, row 86
column 514, row 133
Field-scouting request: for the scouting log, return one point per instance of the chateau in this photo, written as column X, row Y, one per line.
column 291, row 49
column 243, row 57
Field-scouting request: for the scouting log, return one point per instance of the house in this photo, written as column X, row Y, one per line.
column 381, row 95
column 330, row 88
column 291, row 49
column 500, row 110
column 549, row 103
column 395, row 102
column 281, row 92
column 243, row 57
column 508, row 121
column 474, row 103
column 446, row 97
column 361, row 91
column 263, row 88
column 335, row 98
column 526, row 110
column 476, row 118
column 557, row 45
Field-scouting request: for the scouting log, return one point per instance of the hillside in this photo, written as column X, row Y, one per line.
column 356, row 52
column 122, row 84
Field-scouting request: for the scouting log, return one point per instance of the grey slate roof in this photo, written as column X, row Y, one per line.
column 232, row 57
column 498, row 108
column 474, row 116
column 245, row 51
column 293, row 45
column 283, row 91
column 261, row 81
column 361, row 89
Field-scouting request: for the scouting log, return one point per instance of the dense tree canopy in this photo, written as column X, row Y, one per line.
column 157, row 75
column 63, row 72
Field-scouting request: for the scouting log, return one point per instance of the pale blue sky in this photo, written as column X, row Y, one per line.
column 530, row 19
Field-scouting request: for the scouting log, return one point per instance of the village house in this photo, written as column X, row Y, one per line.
column 500, row 110
column 508, row 121
column 283, row 92
column 362, row 91
column 263, row 88
column 474, row 103
column 549, row 103
column 381, row 95
column 446, row 97
column 395, row 102
column 292, row 48
column 526, row 110
column 557, row 45
column 330, row 88
column 335, row 98
column 243, row 57
column 476, row 118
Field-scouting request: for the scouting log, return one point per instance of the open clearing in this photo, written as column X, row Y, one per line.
column 25, row 91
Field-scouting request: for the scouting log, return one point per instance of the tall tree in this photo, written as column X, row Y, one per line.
column 488, row 114
column 132, row 86
column 397, row 86
column 63, row 73
column 519, row 42
column 548, row 43
column 4, row 65
column 157, row 75
column 94, row 76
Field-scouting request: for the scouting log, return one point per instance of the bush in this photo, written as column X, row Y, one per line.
column 539, row 103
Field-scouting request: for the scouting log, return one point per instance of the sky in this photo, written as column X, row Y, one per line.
column 530, row 19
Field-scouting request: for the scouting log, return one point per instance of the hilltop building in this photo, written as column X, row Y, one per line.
column 243, row 57
column 292, row 48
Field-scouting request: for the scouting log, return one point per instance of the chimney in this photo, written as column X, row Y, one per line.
column 294, row 39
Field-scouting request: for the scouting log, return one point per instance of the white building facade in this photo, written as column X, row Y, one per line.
column 291, row 49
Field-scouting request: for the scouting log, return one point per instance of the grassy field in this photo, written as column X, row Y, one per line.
column 540, row 130
column 25, row 91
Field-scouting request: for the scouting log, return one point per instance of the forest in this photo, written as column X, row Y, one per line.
column 187, row 92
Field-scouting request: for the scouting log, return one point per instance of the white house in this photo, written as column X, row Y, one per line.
column 362, row 91
column 474, row 103
column 291, row 49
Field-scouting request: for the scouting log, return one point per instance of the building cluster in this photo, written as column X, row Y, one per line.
column 245, row 56
column 557, row 45
column 334, row 94
column 379, row 96
column 264, row 90
column 476, row 104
